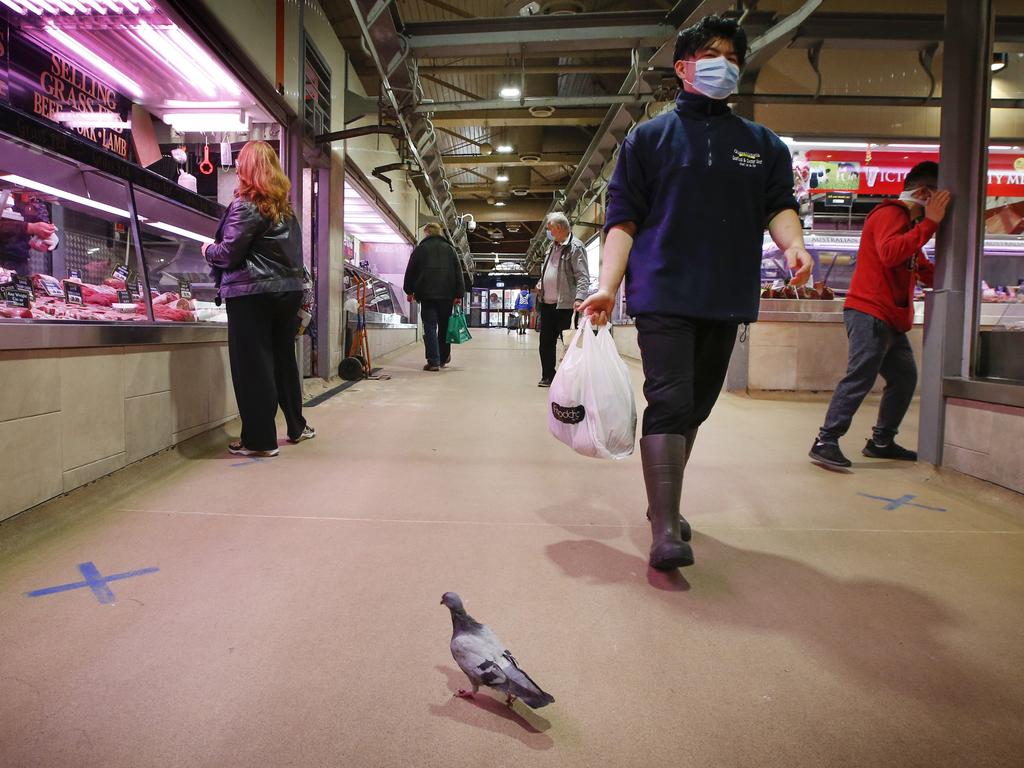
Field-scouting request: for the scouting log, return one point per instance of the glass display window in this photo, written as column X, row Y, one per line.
column 66, row 246
column 998, row 352
column 182, row 285
column 380, row 298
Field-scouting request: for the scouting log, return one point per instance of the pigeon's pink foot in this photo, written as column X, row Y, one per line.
column 509, row 701
column 464, row 694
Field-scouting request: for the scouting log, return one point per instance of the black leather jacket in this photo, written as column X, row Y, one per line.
column 253, row 254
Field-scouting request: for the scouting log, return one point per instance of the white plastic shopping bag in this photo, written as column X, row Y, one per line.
column 591, row 397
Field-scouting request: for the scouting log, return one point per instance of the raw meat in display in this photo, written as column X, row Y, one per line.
column 164, row 312
column 47, row 285
column 115, row 282
column 19, row 312
column 166, row 298
column 103, row 295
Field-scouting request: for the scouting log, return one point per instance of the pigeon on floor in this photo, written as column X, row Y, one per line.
column 485, row 660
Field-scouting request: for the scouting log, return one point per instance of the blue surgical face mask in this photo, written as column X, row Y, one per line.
column 548, row 233
column 715, row 78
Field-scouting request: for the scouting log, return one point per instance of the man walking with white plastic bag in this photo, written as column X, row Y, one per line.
column 688, row 204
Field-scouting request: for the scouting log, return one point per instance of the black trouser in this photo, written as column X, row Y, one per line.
column 261, row 344
column 552, row 322
column 875, row 347
column 685, row 361
column 435, row 314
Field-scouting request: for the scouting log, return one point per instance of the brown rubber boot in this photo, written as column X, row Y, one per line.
column 664, row 458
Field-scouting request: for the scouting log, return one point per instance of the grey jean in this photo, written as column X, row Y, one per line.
column 875, row 348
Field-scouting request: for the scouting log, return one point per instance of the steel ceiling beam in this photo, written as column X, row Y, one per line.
column 865, row 101
column 889, row 30
column 474, row 118
column 478, row 161
column 567, row 102
column 510, row 35
column 463, row 190
column 779, row 36
column 530, row 69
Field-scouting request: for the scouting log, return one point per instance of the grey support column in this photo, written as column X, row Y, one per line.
column 326, row 334
column 951, row 312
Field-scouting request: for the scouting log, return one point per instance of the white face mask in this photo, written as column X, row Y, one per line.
column 715, row 78
column 910, row 196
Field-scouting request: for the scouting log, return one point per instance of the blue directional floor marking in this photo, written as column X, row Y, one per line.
column 900, row 502
column 94, row 581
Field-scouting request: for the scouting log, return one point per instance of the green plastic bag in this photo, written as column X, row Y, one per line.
column 458, row 331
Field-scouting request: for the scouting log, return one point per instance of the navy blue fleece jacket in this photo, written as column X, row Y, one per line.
column 701, row 185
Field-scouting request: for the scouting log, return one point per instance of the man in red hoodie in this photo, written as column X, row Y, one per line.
column 879, row 311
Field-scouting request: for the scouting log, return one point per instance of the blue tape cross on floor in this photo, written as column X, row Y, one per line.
column 900, row 502
column 94, row 581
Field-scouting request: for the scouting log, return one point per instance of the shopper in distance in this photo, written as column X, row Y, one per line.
column 563, row 286
column 688, row 203
column 878, row 313
column 435, row 278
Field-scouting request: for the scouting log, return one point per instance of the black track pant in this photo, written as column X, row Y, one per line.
column 685, row 361
column 552, row 322
column 436, row 313
column 261, row 344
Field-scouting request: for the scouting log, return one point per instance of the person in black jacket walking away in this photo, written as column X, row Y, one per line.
column 691, row 196
column 257, row 260
column 435, row 279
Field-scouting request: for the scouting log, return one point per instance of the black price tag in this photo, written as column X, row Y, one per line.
column 18, row 297
column 73, row 292
column 124, row 297
column 121, row 273
column 135, row 290
column 75, row 274
column 185, row 289
column 52, row 287
column 23, row 283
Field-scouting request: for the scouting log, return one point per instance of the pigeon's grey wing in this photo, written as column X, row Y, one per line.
column 486, row 636
column 522, row 685
column 476, row 659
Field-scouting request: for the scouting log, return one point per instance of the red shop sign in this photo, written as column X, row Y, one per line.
column 848, row 171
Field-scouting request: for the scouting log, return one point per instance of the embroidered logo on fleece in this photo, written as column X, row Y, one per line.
column 747, row 159
column 567, row 415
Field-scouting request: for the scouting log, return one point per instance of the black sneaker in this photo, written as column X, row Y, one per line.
column 544, row 383
column 431, row 367
column 891, row 451
column 828, row 453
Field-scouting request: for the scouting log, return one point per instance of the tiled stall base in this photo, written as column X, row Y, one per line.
column 71, row 416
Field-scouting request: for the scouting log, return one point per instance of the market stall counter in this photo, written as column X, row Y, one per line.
column 112, row 346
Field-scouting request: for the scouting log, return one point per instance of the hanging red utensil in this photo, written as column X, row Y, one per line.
column 205, row 166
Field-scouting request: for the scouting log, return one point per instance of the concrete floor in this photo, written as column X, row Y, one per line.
column 294, row 619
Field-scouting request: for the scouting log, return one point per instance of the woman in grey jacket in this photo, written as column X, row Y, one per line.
column 564, row 285
column 257, row 257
